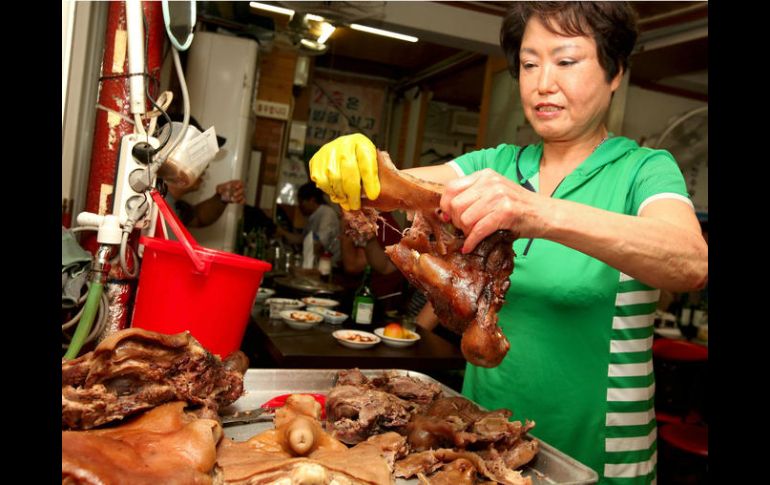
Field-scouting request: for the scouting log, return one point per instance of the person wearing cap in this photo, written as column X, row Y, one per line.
column 322, row 221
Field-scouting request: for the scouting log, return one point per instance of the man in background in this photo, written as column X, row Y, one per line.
column 322, row 222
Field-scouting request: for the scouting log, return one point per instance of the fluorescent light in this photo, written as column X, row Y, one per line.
column 272, row 8
column 326, row 31
column 313, row 45
column 385, row 33
column 312, row 16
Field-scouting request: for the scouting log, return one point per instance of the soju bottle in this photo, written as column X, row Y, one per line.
column 363, row 302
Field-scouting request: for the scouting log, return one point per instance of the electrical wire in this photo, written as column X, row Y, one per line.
column 185, row 103
column 117, row 113
column 128, row 227
column 123, row 249
column 139, row 125
column 164, row 100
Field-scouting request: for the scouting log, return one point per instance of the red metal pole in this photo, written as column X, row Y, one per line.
column 114, row 94
column 110, row 128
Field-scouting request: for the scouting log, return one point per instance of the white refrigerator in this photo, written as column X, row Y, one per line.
column 221, row 78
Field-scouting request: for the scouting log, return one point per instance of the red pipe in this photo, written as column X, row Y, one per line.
column 109, row 130
column 114, row 94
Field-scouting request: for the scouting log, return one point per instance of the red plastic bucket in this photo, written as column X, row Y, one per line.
column 211, row 298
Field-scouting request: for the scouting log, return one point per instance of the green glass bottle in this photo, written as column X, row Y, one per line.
column 363, row 302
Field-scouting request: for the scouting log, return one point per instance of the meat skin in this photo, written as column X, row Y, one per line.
column 134, row 370
column 272, row 457
column 164, row 445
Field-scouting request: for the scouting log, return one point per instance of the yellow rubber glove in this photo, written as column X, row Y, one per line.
column 340, row 167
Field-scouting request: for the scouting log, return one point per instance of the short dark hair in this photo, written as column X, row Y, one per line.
column 613, row 26
column 310, row 191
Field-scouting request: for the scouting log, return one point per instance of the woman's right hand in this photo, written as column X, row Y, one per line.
column 485, row 201
column 342, row 165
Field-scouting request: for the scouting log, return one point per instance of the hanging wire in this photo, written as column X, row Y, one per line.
column 147, row 85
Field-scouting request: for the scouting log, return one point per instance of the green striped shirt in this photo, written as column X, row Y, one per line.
column 580, row 362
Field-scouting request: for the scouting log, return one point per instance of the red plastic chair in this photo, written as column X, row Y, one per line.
column 679, row 350
column 673, row 360
column 680, row 407
column 690, row 438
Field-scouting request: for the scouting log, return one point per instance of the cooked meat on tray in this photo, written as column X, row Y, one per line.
column 358, row 407
column 134, row 370
column 400, row 426
column 163, row 446
column 405, row 387
column 457, row 422
column 439, row 430
column 442, row 464
column 466, row 290
column 355, row 413
column 298, row 450
column 454, row 428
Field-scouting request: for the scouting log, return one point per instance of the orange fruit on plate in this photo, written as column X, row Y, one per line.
column 394, row 330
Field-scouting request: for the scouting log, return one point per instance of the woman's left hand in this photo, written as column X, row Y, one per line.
column 485, row 201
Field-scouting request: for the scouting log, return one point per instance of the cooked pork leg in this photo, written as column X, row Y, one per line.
column 466, row 290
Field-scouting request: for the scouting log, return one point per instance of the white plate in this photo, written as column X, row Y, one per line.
column 324, row 302
column 396, row 342
column 669, row 332
column 285, row 301
column 343, row 335
column 301, row 320
column 331, row 316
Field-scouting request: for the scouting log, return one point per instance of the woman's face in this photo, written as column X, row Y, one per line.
column 563, row 88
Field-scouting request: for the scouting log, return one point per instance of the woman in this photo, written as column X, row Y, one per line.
column 603, row 225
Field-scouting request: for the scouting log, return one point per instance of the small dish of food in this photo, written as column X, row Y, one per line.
column 331, row 316
column 356, row 339
column 323, row 302
column 277, row 305
column 301, row 320
column 394, row 335
column 263, row 294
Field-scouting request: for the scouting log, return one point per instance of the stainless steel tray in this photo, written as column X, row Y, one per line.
column 549, row 466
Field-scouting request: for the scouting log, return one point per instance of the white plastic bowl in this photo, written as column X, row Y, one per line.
column 332, row 317
column 301, row 320
column 343, row 337
column 397, row 342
